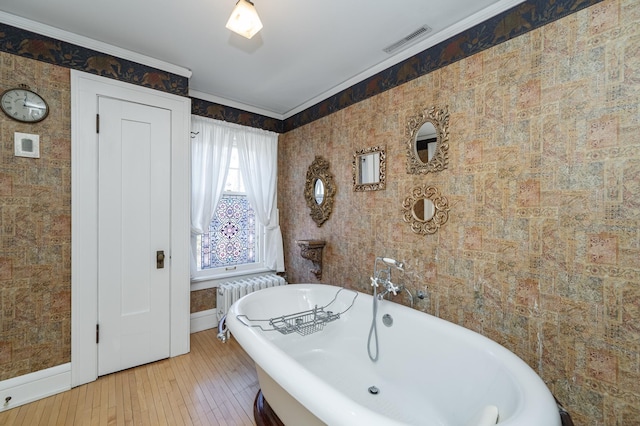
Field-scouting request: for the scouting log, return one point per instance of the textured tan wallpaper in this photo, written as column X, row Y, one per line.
column 35, row 227
column 203, row 300
column 542, row 248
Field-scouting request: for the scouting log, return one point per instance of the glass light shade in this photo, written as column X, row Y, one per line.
column 244, row 19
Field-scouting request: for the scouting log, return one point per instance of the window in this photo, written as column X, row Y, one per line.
column 231, row 240
column 234, row 239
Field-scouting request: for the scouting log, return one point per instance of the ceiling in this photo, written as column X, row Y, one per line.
column 307, row 51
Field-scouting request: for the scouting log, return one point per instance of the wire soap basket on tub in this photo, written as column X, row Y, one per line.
column 303, row 322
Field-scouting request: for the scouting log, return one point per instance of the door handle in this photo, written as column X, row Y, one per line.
column 160, row 259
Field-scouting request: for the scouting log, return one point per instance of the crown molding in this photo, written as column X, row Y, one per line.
column 410, row 51
column 234, row 104
column 89, row 43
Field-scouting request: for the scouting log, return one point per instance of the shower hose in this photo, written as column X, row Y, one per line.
column 373, row 332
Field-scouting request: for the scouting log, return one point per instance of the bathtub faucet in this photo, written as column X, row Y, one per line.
column 390, row 288
column 382, row 275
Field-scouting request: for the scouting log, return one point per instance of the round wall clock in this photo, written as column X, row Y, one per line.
column 24, row 105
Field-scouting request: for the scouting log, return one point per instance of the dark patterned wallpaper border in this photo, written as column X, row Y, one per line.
column 235, row 115
column 46, row 49
column 516, row 21
column 523, row 18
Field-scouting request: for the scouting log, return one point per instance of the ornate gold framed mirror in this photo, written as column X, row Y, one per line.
column 369, row 169
column 425, row 209
column 319, row 190
column 428, row 141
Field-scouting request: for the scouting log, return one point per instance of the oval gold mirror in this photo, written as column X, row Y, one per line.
column 428, row 141
column 319, row 190
column 425, row 209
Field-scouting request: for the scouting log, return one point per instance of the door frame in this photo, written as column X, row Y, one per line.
column 85, row 89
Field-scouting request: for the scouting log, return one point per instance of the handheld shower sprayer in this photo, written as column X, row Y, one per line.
column 392, row 262
column 383, row 275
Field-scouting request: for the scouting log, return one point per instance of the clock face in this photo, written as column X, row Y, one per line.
column 24, row 105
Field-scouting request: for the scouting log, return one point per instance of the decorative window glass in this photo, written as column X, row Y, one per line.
column 234, row 241
column 231, row 239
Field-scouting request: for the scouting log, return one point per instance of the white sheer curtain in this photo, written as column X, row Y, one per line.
column 258, row 156
column 210, row 154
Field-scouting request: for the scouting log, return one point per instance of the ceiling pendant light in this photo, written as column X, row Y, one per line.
column 244, row 19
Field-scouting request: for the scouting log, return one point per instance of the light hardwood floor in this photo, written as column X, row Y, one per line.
column 215, row 384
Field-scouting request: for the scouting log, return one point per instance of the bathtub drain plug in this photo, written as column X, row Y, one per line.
column 373, row 390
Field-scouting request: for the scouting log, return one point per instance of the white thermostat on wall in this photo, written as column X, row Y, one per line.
column 26, row 145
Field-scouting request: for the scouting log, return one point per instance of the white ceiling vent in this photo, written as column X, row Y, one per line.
column 414, row 36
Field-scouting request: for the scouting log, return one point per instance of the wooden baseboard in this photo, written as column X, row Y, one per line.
column 34, row 386
column 203, row 320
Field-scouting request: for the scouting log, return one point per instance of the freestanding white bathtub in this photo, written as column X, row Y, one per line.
column 429, row 371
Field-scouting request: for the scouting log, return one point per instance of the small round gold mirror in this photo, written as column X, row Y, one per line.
column 425, row 209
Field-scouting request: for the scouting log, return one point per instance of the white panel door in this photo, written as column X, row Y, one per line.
column 134, row 205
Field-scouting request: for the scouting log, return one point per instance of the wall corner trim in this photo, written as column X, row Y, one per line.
column 34, row 386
